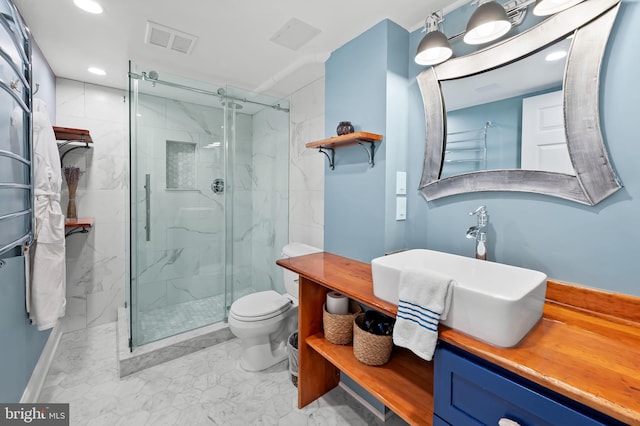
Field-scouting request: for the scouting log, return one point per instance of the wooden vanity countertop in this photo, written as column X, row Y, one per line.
column 586, row 346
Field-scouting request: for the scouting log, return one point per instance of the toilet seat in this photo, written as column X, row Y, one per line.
column 260, row 306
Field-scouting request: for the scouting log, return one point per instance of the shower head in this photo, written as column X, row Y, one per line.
column 232, row 104
column 153, row 75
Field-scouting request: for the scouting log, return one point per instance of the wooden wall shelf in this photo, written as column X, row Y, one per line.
column 71, row 139
column 80, row 225
column 364, row 139
column 69, row 134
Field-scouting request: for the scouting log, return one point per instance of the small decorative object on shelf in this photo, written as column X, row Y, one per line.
column 72, row 176
column 344, row 128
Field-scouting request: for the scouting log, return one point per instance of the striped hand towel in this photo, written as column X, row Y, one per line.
column 425, row 297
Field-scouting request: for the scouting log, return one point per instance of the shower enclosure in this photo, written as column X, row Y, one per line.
column 208, row 201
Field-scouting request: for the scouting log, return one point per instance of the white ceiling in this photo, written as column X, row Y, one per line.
column 233, row 45
column 523, row 77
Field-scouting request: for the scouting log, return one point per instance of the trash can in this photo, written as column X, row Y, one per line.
column 292, row 349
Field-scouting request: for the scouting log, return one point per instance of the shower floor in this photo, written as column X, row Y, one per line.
column 170, row 320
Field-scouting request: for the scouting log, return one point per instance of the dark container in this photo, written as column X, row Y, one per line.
column 344, row 128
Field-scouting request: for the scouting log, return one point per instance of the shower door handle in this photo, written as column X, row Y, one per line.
column 147, row 191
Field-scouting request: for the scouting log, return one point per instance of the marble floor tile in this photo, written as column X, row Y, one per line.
column 207, row 387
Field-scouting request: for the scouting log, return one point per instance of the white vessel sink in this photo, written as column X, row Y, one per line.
column 491, row 301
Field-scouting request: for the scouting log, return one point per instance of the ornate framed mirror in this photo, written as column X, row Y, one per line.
column 586, row 28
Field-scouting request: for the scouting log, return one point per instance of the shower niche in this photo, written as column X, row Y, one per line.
column 181, row 166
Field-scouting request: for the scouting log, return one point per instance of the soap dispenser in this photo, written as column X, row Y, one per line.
column 474, row 232
column 481, row 249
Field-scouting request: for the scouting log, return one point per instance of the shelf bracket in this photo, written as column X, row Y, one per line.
column 78, row 230
column 370, row 150
column 331, row 156
column 73, row 148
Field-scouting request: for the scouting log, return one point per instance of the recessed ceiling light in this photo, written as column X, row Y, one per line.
column 554, row 56
column 96, row 71
column 90, row 6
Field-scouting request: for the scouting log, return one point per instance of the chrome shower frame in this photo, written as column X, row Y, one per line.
column 220, row 93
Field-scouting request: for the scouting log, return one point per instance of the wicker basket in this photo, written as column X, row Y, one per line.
column 369, row 348
column 338, row 329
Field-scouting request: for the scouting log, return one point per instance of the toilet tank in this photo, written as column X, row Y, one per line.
column 291, row 278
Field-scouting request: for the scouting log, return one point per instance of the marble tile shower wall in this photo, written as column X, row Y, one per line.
column 96, row 261
column 183, row 259
column 242, row 181
column 270, row 197
column 306, row 173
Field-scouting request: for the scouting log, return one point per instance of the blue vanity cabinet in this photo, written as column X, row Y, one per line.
column 471, row 391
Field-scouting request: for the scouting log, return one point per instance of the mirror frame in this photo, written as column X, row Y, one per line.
column 590, row 22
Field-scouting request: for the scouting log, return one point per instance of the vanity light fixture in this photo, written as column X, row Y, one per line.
column 90, row 6
column 434, row 47
column 488, row 22
column 549, row 7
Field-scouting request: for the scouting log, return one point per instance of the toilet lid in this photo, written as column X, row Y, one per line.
column 259, row 306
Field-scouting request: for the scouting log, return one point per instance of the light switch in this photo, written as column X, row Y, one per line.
column 401, row 208
column 401, row 183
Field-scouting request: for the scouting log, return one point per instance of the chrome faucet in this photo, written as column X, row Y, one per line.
column 475, row 232
column 472, row 232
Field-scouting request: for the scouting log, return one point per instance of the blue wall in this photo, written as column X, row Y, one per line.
column 593, row 246
column 22, row 342
column 356, row 90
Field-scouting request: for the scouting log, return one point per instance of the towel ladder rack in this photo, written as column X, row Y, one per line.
column 15, row 56
column 25, row 240
column 14, row 156
column 467, row 146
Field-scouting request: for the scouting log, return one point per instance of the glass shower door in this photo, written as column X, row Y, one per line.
column 178, row 232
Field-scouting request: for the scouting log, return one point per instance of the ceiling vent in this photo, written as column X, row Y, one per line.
column 295, row 34
column 169, row 38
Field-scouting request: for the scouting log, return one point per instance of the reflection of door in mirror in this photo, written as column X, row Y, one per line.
column 544, row 144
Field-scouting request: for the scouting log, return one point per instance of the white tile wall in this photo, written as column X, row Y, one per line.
column 306, row 170
column 269, row 196
column 96, row 261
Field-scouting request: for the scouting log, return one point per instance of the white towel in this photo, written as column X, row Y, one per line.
column 425, row 297
column 48, row 273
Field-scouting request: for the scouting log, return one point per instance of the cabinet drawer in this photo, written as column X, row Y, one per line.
column 468, row 393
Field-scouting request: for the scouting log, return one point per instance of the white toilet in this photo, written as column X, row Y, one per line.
column 264, row 320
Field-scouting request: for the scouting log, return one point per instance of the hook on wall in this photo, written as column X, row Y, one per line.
column 15, row 85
